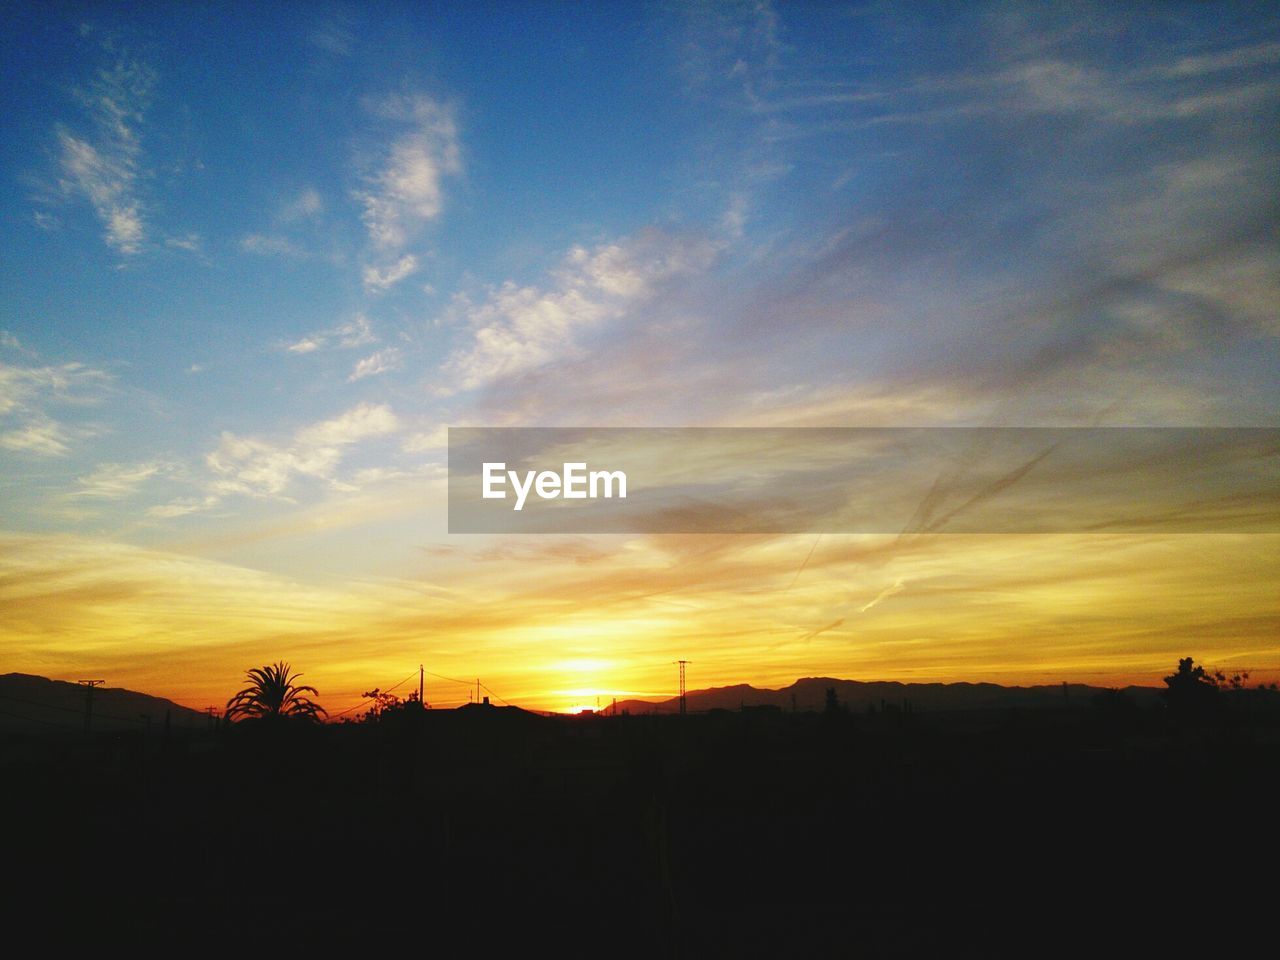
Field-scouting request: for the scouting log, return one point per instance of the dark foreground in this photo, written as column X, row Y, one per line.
column 1109, row 827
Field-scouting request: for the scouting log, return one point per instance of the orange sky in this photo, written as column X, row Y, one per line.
column 554, row 622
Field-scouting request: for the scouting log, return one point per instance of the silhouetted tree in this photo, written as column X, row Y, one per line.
column 1191, row 689
column 382, row 702
column 272, row 694
column 1236, row 681
column 833, row 702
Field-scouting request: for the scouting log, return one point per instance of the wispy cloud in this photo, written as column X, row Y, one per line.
column 26, row 394
column 405, row 192
column 115, row 481
column 271, row 245
column 104, row 166
column 190, row 242
column 384, row 279
column 182, row 506
column 40, row 436
column 245, row 465
column 436, row 439
column 308, row 203
column 281, row 240
column 355, row 333
column 376, row 363
column 332, row 37
column 517, row 328
column 1228, row 59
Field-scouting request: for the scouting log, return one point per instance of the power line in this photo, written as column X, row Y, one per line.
column 371, row 699
column 76, row 710
column 441, row 676
column 47, row 723
column 349, row 709
column 400, row 684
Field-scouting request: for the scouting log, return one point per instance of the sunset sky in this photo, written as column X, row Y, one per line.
column 258, row 258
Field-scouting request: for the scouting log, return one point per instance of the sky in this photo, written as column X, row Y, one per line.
column 259, row 258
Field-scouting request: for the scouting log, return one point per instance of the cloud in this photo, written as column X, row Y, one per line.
column 105, row 166
column 190, row 241
column 519, row 328
column 376, row 363
column 1224, row 60
column 355, row 333
column 437, row 439
column 115, row 481
column 729, row 53
column 259, row 468
column 42, row 437
column 22, row 387
column 359, row 423
column 333, row 38
column 406, row 191
column 182, row 506
column 379, row 280
column 26, row 393
column 308, row 203
column 269, row 245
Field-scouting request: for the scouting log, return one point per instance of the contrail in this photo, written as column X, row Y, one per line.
column 806, row 562
column 1008, row 480
column 813, row 633
column 883, row 595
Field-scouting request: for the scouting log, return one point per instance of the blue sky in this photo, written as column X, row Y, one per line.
column 258, row 257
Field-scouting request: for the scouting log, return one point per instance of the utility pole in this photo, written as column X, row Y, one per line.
column 88, row 700
column 421, row 701
column 682, row 666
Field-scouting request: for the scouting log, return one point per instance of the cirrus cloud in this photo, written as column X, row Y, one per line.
column 406, row 191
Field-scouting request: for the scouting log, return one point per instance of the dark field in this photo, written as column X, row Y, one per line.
column 1107, row 826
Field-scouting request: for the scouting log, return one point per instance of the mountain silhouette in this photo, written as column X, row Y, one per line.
column 809, row 693
column 31, row 704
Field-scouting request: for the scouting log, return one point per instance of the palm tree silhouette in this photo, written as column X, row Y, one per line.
column 272, row 695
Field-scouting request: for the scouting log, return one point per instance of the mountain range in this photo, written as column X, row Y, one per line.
column 810, row 693
column 31, row 703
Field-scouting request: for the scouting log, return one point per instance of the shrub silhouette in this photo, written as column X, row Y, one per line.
column 1191, row 689
column 272, row 695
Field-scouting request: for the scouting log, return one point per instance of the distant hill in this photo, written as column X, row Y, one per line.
column 30, row 703
column 810, row 693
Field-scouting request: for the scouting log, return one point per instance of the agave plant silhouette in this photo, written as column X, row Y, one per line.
column 272, row 694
